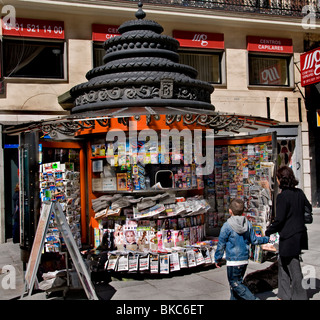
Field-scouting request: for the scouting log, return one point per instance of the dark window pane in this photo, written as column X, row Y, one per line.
column 207, row 65
column 33, row 59
column 269, row 70
column 98, row 54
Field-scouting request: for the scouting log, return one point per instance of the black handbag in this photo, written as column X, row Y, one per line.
column 308, row 218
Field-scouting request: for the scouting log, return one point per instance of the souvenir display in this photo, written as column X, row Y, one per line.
column 59, row 182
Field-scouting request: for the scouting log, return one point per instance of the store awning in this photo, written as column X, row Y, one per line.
column 221, row 123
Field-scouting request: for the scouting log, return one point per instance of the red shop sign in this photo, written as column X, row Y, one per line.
column 194, row 39
column 274, row 45
column 103, row 32
column 310, row 67
column 34, row 28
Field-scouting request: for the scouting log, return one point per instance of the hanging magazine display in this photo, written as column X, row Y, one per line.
column 169, row 230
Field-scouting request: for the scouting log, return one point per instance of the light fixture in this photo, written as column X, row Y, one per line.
column 56, row 51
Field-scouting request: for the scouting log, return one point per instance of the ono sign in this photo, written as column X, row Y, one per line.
column 310, row 67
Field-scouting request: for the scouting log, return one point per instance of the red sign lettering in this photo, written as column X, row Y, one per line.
column 34, row 28
column 103, row 32
column 273, row 45
column 310, row 67
column 194, row 39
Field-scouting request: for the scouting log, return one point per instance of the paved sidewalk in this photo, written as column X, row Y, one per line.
column 10, row 263
column 205, row 284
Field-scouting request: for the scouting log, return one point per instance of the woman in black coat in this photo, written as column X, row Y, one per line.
column 289, row 223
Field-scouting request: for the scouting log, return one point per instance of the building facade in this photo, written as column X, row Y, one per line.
column 249, row 52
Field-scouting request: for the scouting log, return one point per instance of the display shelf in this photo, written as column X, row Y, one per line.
column 151, row 191
column 161, row 262
column 101, row 157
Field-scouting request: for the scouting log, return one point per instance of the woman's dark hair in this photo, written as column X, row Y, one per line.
column 286, row 178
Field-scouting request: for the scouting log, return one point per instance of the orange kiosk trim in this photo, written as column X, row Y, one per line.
column 82, row 158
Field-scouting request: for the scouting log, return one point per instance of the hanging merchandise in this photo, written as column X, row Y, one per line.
column 59, row 182
column 242, row 171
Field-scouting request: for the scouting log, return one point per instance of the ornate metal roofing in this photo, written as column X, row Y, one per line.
column 141, row 69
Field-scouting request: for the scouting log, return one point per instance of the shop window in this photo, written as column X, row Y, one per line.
column 98, row 54
column 269, row 70
column 33, row 59
column 208, row 64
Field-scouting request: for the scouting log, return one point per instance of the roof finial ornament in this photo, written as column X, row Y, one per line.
column 140, row 14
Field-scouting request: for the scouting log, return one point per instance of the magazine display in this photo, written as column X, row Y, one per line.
column 162, row 231
column 162, row 261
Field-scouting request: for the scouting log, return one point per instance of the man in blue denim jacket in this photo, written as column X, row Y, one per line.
column 235, row 238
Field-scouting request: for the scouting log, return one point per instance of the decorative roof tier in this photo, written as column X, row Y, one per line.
column 141, row 69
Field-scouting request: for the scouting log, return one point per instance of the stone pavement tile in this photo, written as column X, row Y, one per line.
column 222, row 295
column 253, row 266
column 311, row 258
column 218, row 275
column 139, row 292
column 125, row 284
column 190, row 285
column 268, row 295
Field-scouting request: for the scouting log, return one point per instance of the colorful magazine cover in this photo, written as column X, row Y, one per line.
column 123, row 263
column 159, row 240
column 206, row 255
column 144, row 262
column 153, row 240
column 167, row 239
column 183, row 259
column 112, row 262
column 186, row 235
column 133, row 262
column 154, row 263
column 191, row 258
column 174, row 261
column 164, row 263
column 198, row 256
column 118, row 236
column 178, row 238
column 130, row 236
column 142, row 240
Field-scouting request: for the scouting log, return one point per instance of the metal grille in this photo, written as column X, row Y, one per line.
column 292, row 8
